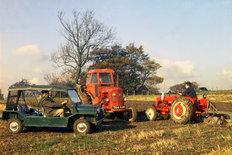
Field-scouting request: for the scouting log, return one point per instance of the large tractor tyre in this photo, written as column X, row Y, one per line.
column 14, row 125
column 81, row 126
column 151, row 114
column 133, row 114
column 182, row 110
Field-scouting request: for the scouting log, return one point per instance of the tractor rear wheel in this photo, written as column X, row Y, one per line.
column 81, row 126
column 181, row 110
column 151, row 114
column 133, row 114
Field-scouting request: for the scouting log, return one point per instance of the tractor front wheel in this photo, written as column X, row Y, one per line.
column 182, row 110
column 14, row 125
column 133, row 114
column 151, row 114
column 81, row 126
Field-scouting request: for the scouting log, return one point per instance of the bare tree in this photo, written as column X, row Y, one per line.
column 83, row 34
column 55, row 79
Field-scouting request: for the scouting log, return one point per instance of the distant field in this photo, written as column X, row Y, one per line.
column 214, row 96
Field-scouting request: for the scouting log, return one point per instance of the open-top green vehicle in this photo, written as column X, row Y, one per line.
column 82, row 118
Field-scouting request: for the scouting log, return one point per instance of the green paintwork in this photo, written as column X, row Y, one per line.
column 42, row 87
column 87, row 112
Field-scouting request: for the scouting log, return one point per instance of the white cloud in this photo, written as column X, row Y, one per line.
column 28, row 50
column 225, row 79
column 175, row 72
column 34, row 80
column 36, row 70
column 227, row 74
column 146, row 47
column 176, row 69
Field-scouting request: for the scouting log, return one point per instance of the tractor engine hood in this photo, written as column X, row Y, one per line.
column 166, row 98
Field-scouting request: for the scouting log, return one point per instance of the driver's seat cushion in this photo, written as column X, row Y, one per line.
column 23, row 109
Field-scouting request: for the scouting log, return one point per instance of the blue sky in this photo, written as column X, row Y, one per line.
column 191, row 39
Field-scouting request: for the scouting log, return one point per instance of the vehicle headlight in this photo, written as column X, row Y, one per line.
column 107, row 100
column 124, row 99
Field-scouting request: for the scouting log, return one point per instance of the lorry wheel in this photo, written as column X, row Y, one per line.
column 133, row 114
column 81, row 126
column 14, row 125
column 181, row 110
column 151, row 114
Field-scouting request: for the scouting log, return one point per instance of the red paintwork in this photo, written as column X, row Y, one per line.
column 164, row 107
column 102, row 89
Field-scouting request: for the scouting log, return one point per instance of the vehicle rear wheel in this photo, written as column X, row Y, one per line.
column 151, row 114
column 81, row 126
column 14, row 125
column 133, row 114
column 182, row 110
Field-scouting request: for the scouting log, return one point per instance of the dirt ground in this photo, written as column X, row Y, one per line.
column 118, row 136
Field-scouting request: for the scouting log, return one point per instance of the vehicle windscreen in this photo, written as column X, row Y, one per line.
column 74, row 96
column 105, row 78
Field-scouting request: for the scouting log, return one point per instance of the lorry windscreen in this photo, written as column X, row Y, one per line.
column 105, row 78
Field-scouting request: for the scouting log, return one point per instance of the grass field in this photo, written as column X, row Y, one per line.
column 219, row 96
column 121, row 137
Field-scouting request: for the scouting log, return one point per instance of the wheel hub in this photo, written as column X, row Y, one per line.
column 81, row 127
column 14, row 126
column 150, row 113
column 179, row 110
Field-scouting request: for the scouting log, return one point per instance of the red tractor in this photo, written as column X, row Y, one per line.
column 183, row 109
column 101, row 91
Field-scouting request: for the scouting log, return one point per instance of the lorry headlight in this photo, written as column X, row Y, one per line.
column 107, row 100
column 124, row 99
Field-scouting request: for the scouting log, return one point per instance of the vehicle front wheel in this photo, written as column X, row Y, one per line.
column 133, row 114
column 14, row 125
column 151, row 114
column 81, row 126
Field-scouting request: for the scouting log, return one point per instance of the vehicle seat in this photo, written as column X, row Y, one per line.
column 23, row 109
column 44, row 115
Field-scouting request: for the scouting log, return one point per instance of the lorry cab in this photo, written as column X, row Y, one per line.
column 100, row 86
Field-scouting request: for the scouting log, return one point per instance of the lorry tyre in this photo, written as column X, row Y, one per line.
column 133, row 114
column 81, row 126
column 14, row 125
column 151, row 114
column 181, row 110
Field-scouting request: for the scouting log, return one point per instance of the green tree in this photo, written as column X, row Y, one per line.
column 136, row 70
column 114, row 57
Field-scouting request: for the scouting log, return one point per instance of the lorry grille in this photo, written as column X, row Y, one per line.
column 117, row 96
